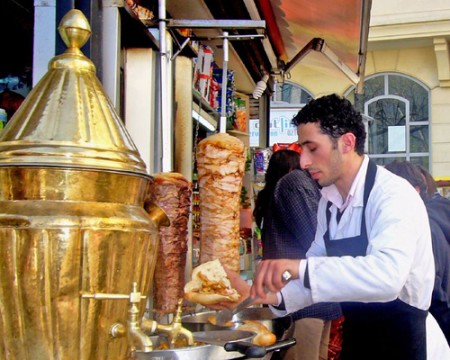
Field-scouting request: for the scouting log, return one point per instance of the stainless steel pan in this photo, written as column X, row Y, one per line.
column 213, row 349
column 222, row 337
column 241, row 341
column 283, row 328
column 221, row 345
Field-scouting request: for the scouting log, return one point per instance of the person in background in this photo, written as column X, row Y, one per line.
column 281, row 163
column 286, row 211
column 438, row 206
column 440, row 300
column 372, row 250
column 429, row 181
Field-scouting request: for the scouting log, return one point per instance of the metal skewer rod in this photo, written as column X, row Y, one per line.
column 223, row 113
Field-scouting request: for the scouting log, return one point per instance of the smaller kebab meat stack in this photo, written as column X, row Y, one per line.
column 172, row 192
column 220, row 166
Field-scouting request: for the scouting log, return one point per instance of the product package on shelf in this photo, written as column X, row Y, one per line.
column 230, row 91
column 261, row 162
column 214, row 94
column 241, row 113
column 142, row 12
column 203, row 71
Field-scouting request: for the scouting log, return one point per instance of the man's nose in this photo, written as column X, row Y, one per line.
column 304, row 161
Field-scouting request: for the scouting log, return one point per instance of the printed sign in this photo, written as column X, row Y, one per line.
column 281, row 128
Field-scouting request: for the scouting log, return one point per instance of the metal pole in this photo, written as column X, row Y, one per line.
column 223, row 113
column 165, row 113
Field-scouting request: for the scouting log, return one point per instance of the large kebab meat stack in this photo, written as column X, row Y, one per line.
column 172, row 192
column 220, row 166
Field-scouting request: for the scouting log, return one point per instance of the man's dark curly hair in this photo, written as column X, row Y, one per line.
column 336, row 116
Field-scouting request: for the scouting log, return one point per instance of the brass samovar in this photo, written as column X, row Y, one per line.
column 74, row 218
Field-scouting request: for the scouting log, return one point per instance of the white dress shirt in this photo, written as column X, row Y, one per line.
column 399, row 261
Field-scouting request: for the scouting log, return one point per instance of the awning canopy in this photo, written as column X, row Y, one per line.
column 328, row 36
column 336, row 29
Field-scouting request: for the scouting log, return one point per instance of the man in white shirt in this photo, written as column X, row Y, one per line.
column 372, row 250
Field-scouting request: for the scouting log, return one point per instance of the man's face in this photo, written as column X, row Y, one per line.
column 320, row 156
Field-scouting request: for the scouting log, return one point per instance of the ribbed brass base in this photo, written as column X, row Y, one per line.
column 64, row 232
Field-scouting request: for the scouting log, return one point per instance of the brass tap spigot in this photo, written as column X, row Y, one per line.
column 173, row 330
column 136, row 336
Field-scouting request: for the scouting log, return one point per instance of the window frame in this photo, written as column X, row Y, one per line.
column 408, row 154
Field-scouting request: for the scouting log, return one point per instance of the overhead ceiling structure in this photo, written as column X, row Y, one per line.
column 335, row 31
column 327, row 36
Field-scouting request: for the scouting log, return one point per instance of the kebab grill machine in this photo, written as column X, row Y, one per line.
column 79, row 231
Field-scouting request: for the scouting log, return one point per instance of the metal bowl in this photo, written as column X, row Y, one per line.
column 215, row 350
column 283, row 328
column 192, row 353
column 199, row 321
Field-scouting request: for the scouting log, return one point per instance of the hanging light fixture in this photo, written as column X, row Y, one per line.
column 260, row 87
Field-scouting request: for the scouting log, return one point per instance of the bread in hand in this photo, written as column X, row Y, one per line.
column 210, row 285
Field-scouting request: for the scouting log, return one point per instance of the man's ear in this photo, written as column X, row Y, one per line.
column 348, row 142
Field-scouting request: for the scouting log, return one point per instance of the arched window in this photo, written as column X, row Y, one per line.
column 290, row 94
column 396, row 112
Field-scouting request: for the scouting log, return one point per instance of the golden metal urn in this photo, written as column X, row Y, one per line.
column 73, row 219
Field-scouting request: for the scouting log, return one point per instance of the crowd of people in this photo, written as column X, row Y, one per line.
column 357, row 239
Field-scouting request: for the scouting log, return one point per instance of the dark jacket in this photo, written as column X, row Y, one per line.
column 438, row 209
column 289, row 228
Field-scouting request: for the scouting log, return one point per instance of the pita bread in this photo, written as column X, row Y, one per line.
column 264, row 337
column 210, row 285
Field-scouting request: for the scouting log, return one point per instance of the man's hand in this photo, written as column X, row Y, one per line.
column 269, row 276
column 240, row 285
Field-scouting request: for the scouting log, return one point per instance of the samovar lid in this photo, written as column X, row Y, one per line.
column 67, row 120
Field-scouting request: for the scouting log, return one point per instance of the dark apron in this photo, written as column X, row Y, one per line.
column 382, row 331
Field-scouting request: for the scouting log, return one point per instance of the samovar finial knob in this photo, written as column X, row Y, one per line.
column 74, row 29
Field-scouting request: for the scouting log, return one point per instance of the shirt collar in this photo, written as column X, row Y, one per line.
column 331, row 193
